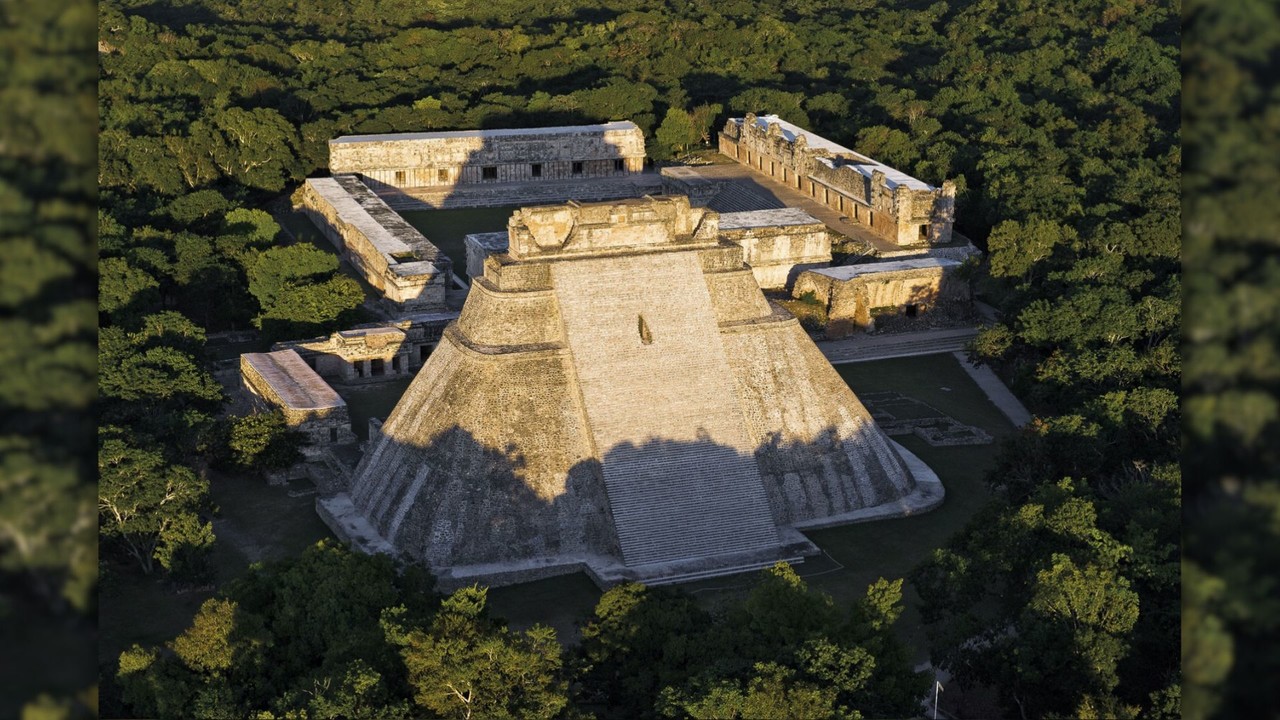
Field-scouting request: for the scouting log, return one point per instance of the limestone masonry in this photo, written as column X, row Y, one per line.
column 374, row 351
column 281, row 380
column 431, row 159
column 893, row 204
column 853, row 293
column 392, row 256
column 618, row 396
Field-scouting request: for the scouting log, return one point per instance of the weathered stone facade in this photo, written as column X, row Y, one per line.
column 282, row 380
column 480, row 246
column 618, row 396
column 891, row 203
column 778, row 244
column 854, row 293
column 373, row 352
column 446, row 159
column 411, row 273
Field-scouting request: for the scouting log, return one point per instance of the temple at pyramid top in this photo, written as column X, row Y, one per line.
column 618, row 396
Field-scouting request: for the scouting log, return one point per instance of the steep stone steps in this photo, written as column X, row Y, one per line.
column 678, row 466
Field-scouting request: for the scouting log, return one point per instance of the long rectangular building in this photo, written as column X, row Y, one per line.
column 432, row 159
column 891, row 203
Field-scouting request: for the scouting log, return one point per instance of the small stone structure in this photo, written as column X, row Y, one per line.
column 282, row 380
column 392, row 256
column 854, row 293
column 617, row 396
column 480, row 246
column 447, row 159
column 891, row 203
column 375, row 351
column 778, row 244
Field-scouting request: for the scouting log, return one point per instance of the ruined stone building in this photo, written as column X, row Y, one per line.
column 282, row 381
column 411, row 273
column 373, row 352
column 464, row 157
column 891, row 203
column 854, row 294
column 618, row 396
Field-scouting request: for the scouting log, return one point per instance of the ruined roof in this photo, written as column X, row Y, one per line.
column 862, row 164
column 394, row 238
column 619, row 125
column 766, row 218
column 848, row 272
column 293, row 381
column 491, row 241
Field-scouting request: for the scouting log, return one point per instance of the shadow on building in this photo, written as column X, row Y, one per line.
column 473, row 511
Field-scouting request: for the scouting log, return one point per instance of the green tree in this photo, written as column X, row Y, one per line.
column 299, row 637
column 675, row 135
column 466, row 665
column 263, row 442
column 147, row 506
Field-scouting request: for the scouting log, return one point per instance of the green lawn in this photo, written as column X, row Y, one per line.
column 446, row 228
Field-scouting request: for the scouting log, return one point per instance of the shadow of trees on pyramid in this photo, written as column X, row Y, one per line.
column 456, row 501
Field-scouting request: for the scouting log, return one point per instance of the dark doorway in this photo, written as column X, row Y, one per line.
column 489, row 172
column 377, row 367
column 535, row 170
column 913, row 310
column 577, row 168
column 424, row 352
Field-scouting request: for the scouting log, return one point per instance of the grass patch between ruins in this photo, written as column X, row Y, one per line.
column 447, row 228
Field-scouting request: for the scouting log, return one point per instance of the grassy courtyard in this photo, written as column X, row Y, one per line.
column 447, row 228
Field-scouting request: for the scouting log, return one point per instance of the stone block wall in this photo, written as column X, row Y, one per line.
column 282, row 380
column 853, row 294
column 447, row 159
column 893, row 204
column 375, row 352
column 388, row 253
column 778, row 244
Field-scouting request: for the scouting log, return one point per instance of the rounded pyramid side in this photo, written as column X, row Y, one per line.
column 819, row 451
column 486, row 459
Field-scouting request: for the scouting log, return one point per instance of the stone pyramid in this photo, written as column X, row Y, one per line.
column 618, row 396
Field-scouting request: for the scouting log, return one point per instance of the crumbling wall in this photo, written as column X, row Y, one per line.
column 388, row 253
column 447, row 159
column 776, row 245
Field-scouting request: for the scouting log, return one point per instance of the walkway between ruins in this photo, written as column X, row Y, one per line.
column 863, row 347
column 748, row 189
column 997, row 391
